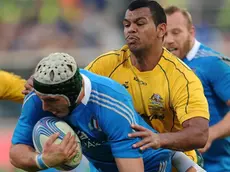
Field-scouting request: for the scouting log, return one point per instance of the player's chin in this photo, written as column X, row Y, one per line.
column 61, row 114
column 176, row 53
column 134, row 47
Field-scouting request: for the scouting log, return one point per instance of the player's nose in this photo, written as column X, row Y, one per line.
column 132, row 28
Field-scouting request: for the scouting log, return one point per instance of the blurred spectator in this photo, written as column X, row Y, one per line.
column 71, row 28
column 99, row 4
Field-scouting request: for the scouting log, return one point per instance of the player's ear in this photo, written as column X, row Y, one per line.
column 192, row 31
column 161, row 30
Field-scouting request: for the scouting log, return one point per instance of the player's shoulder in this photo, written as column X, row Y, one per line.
column 177, row 72
column 209, row 57
column 207, row 61
column 105, row 85
column 115, row 55
column 31, row 98
column 208, row 54
column 172, row 63
column 112, row 58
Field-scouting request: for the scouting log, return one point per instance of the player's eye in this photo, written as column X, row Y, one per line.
column 176, row 32
column 126, row 24
column 140, row 23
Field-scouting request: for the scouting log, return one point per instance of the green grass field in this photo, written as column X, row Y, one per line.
column 48, row 14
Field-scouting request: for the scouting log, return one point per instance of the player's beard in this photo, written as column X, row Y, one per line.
column 140, row 52
column 136, row 49
column 185, row 48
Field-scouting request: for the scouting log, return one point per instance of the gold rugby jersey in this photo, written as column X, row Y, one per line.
column 166, row 96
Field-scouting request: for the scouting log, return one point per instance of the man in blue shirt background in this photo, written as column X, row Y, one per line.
column 214, row 74
column 99, row 110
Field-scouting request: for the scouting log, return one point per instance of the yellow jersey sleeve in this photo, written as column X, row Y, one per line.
column 11, row 87
column 188, row 98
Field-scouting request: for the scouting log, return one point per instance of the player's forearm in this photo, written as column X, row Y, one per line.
column 222, row 128
column 184, row 140
column 23, row 157
column 194, row 135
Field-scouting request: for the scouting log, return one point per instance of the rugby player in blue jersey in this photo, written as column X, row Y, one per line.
column 214, row 74
column 100, row 111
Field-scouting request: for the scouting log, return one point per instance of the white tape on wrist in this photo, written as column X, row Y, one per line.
column 40, row 163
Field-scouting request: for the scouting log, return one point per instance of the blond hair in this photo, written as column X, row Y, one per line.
column 173, row 9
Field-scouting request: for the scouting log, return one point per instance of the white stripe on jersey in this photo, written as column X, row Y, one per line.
column 27, row 98
column 111, row 104
column 163, row 166
column 111, row 108
column 115, row 103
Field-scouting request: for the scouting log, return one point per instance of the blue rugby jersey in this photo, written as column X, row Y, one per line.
column 102, row 121
column 214, row 74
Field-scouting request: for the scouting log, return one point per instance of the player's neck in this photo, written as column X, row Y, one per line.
column 147, row 60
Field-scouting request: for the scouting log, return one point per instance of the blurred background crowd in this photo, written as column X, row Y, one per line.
column 31, row 29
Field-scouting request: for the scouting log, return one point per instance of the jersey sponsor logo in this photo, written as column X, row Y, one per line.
column 126, row 84
column 156, row 107
column 86, row 142
column 96, row 130
column 139, row 81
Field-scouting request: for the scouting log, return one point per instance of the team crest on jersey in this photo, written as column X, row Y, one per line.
column 93, row 125
column 156, row 107
column 88, row 142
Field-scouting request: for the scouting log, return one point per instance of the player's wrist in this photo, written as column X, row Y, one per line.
column 40, row 162
column 213, row 134
column 160, row 140
column 157, row 142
